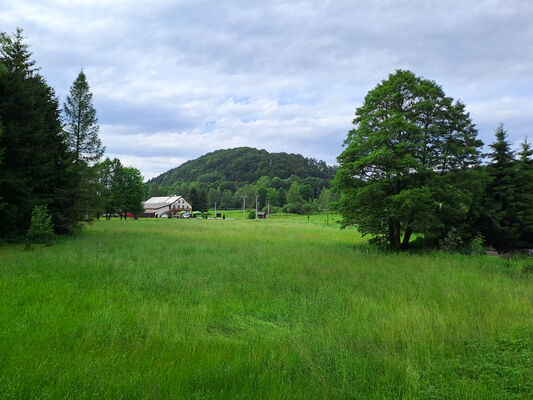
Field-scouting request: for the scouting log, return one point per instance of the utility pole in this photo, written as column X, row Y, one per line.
column 243, row 205
column 256, row 197
column 215, row 210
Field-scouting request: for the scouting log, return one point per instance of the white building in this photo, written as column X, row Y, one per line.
column 158, row 206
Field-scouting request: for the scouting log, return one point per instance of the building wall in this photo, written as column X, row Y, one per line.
column 177, row 206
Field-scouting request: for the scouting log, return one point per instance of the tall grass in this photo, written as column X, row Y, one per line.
column 212, row 309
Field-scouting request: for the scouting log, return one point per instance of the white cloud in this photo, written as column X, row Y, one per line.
column 173, row 80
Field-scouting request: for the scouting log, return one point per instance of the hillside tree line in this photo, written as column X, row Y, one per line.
column 292, row 195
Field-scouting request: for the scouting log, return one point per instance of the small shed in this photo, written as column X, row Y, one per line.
column 261, row 215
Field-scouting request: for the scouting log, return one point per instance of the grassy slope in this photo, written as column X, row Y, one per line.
column 257, row 309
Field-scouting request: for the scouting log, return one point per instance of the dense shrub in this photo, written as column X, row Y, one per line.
column 452, row 241
column 476, row 245
column 41, row 229
column 295, row 208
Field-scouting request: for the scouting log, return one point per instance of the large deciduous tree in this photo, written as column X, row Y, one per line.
column 127, row 190
column 408, row 136
column 107, row 172
column 120, row 189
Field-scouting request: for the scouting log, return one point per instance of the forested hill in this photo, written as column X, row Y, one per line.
column 244, row 164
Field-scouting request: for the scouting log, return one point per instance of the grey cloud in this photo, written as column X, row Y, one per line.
column 170, row 71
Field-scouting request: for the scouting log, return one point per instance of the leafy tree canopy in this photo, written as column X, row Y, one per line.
column 406, row 134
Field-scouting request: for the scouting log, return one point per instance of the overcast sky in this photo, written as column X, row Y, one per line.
column 173, row 80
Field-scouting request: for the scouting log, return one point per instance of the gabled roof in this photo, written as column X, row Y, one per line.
column 155, row 206
column 161, row 200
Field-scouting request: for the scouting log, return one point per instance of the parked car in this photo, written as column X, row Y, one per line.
column 130, row 215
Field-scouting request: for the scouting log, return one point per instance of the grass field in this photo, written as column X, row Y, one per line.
column 315, row 218
column 278, row 309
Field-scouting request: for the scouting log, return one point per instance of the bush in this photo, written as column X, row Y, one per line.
column 452, row 241
column 274, row 209
column 41, row 229
column 379, row 241
column 295, row 208
column 527, row 268
column 309, row 208
column 476, row 245
column 251, row 214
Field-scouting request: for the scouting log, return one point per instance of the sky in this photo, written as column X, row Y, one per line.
column 173, row 80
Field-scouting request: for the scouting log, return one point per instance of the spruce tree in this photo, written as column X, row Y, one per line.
column 81, row 123
column 81, row 130
column 2, row 204
column 194, row 199
column 155, row 190
column 526, row 152
column 499, row 221
column 35, row 167
column 524, row 200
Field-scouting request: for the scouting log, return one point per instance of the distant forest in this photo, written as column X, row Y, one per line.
column 226, row 176
column 245, row 164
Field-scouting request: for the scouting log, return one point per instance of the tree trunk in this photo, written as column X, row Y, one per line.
column 394, row 234
column 406, row 238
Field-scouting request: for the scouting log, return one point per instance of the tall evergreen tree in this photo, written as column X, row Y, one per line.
column 498, row 223
column 16, row 56
column 3, row 70
column 81, row 123
column 154, row 190
column 526, row 152
column 81, row 130
column 501, row 154
column 202, row 201
column 35, row 168
column 524, row 200
column 2, row 204
column 194, row 199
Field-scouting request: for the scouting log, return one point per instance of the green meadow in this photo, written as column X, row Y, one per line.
column 243, row 309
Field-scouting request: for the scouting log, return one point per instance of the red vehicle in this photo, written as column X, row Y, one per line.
column 129, row 215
